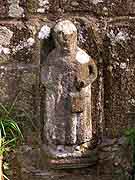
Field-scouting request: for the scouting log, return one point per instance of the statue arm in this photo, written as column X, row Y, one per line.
column 92, row 72
column 92, row 76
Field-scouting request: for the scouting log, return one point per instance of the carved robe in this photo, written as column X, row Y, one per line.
column 67, row 108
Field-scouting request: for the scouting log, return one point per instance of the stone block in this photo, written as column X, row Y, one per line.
column 113, row 7
column 4, row 85
column 81, row 174
column 19, row 85
column 18, row 43
column 80, row 177
column 3, row 8
column 27, row 85
column 119, row 8
column 119, row 69
column 100, row 7
column 76, row 5
column 18, row 80
column 12, row 8
column 42, row 6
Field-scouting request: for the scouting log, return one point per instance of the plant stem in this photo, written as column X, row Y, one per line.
column 1, row 171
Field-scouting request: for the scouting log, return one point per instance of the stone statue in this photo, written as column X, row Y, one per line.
column 67, row 75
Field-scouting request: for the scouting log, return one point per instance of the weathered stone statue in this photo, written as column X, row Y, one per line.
column 67, row 76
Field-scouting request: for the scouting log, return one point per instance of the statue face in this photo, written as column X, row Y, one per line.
column 65, row 35
column 66, row 41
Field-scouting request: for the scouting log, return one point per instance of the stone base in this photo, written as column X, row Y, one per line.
column 67, row 174
column 43, row 176
column 68, row 157
column 71, row 163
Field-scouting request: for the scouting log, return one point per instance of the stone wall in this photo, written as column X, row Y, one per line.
column 106, row 31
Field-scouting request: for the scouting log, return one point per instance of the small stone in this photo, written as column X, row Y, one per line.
column 116, row 164
column 60, row 148
column 107, row 142
column 97, row 1
column 6, row 50
column 106, row 148
column 110, row 68
column 40, row 10
column 30, row 41
column 123, row 65
column 105, row 155
column 74, row 3
column 77, row 148
column 25, row 148
column 15, row 10
column 115, row 148
column 105, row 11
column 121, row 140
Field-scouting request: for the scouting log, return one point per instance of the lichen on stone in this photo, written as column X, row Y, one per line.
column 32, row 5
column 120, row 37
column 5, row 36
column 28, row 43
column 82, row 35
column 14, row 9
column 44, row 33
column 123, row 65
column 43, row 6
column 40, row 10
column 4, row 50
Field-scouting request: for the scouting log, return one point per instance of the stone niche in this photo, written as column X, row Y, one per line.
column 67, row 76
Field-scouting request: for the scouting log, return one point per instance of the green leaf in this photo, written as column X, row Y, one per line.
column 3, row 108
column 3, row 128
column 9, row 129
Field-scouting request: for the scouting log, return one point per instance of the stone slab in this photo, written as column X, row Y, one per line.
column 100, row 7
column 81, row 174
column 20, row 9
column 119, row 69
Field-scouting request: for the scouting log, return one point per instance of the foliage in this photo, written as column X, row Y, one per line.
column 9, row 130
column 130, row 134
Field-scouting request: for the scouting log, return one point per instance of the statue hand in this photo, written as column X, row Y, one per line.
column 79, row 84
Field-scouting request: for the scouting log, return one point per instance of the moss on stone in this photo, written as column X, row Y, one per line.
column 3, row 60
column 32, row 5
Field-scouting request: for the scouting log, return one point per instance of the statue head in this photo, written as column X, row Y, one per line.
column 65, row 35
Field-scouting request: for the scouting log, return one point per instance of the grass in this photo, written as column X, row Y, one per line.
column 10, row 133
